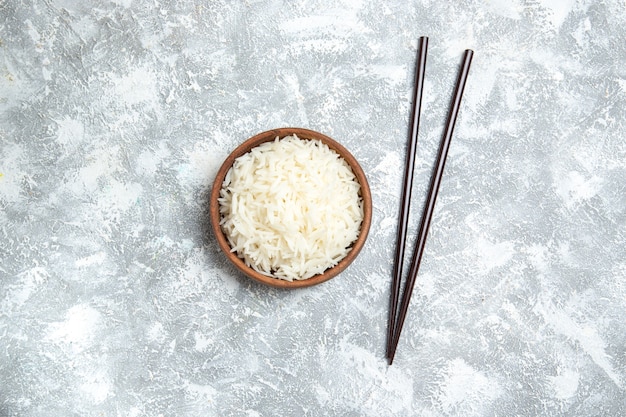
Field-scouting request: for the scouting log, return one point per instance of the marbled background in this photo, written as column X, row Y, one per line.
column 116, row 115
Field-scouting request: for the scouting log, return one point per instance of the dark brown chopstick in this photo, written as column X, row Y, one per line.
column 407, row 186
column 431, row 198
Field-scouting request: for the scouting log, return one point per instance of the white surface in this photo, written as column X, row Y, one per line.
column 114, row 118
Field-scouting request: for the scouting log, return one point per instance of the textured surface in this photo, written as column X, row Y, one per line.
column 115, row 116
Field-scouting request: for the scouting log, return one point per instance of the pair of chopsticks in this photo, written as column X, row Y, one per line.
column 396, row 319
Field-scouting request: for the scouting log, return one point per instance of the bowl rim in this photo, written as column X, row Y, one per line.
column 271, row 135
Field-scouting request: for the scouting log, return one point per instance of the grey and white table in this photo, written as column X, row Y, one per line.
column 114, row 297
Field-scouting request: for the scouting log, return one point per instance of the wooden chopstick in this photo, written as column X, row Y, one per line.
column 407, row 186
column 431, row 198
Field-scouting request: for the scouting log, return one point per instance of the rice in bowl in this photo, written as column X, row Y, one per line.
column 291, row 208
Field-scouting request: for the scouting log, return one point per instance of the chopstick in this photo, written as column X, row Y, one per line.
column 431, row 199
column 407, row 186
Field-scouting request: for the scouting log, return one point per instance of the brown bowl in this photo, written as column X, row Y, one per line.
column 267, row 136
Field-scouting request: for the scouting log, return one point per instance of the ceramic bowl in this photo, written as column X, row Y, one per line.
column 270, row 135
